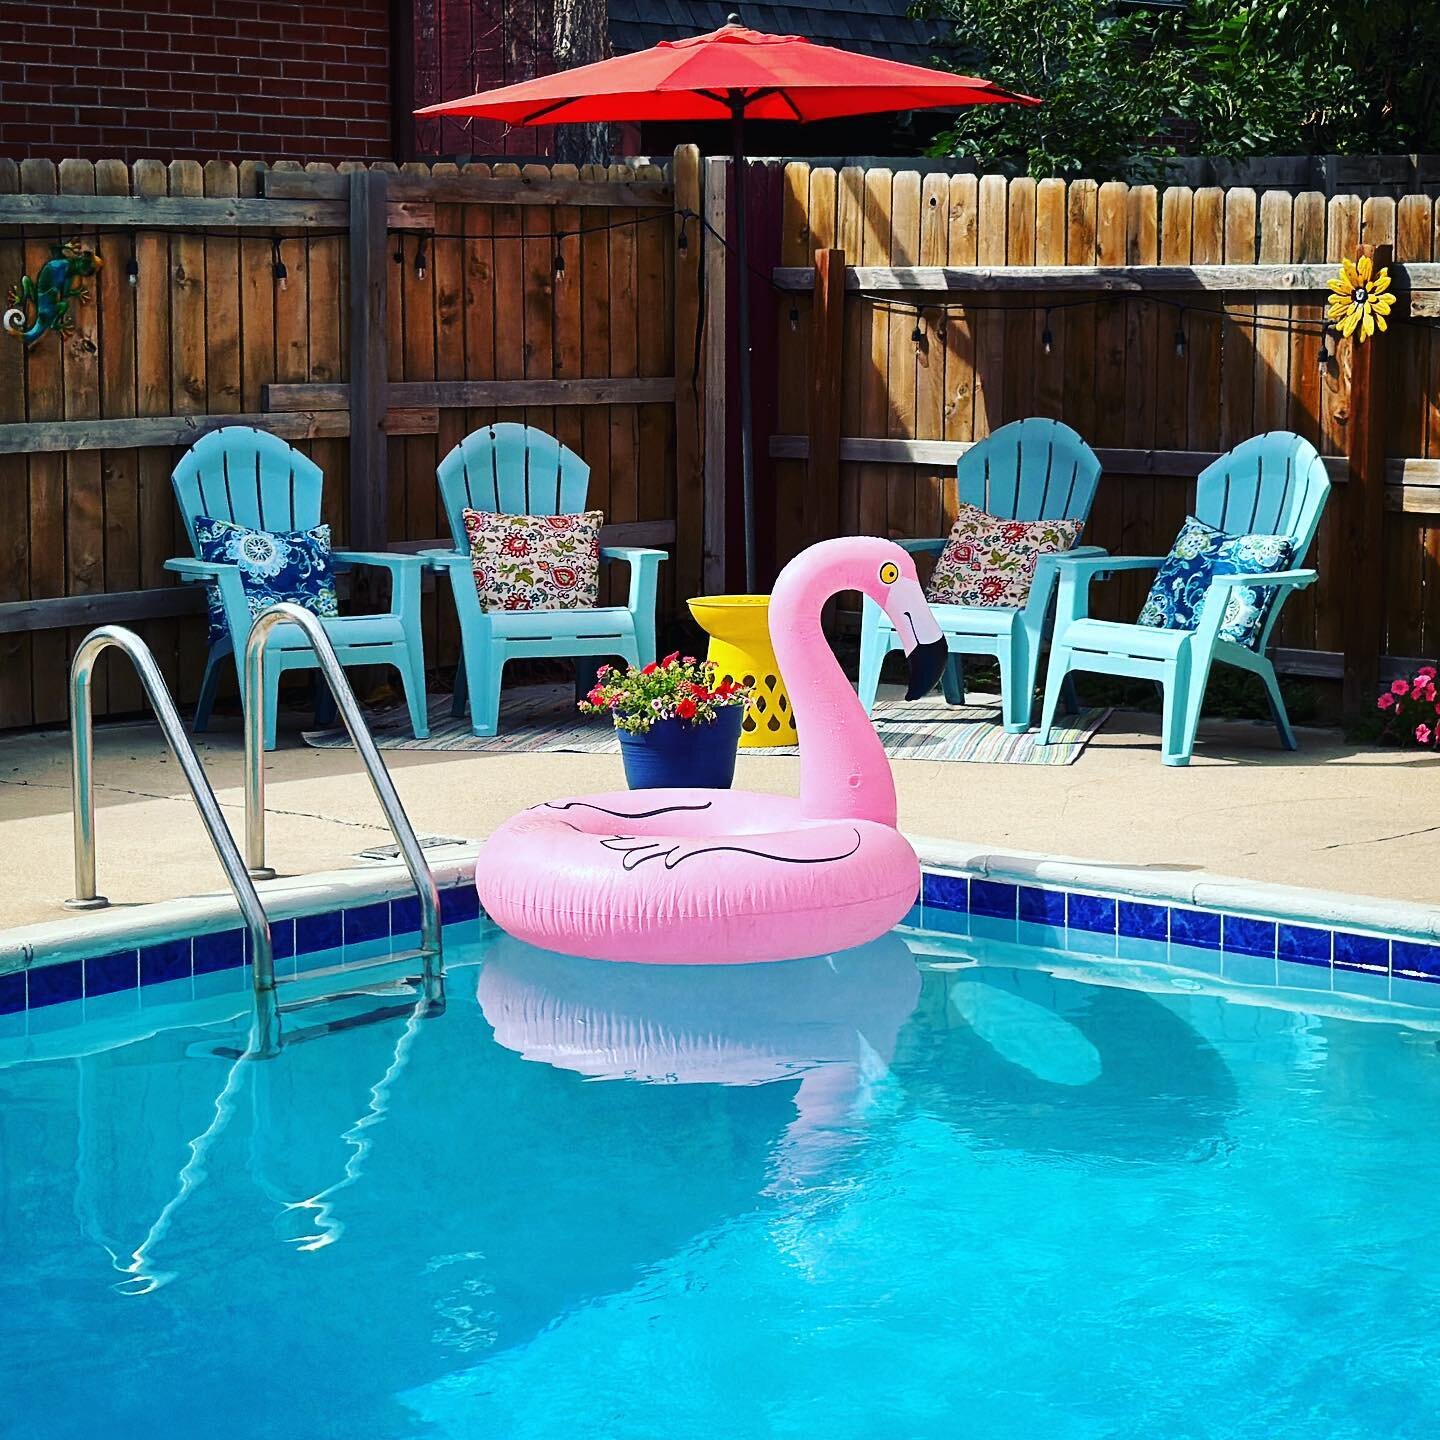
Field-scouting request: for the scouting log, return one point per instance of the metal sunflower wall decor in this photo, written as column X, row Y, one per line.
column 1360, row 298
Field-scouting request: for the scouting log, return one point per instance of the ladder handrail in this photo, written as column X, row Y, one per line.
column 82, row 749
column 283, row 613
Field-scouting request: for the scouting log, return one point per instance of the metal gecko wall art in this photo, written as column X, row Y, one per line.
column 44, row 303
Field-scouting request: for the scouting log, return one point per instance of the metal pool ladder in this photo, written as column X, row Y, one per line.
column 266, row 1034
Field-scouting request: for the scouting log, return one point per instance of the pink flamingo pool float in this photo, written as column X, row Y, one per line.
column 730, row 876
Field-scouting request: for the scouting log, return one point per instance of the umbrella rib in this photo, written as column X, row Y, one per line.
column 549, row 109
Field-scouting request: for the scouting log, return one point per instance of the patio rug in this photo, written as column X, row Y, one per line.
column 542, row 718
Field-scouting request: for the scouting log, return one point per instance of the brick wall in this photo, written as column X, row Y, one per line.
column 274, row 79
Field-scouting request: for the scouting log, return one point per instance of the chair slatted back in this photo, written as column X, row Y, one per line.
column 1030, row 470
column 250, row 477
column 512, row 470
column 1271, row 484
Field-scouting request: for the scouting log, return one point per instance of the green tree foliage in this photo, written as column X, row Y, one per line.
column 1126, row 85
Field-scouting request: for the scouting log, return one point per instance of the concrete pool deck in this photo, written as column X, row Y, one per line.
column 1335, row 816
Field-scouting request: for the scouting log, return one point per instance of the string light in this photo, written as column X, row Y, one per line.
column 420, row 259
column 682, row 241
column 918, row 333
column 1324, row 356
column 1180, row 336
column 1047, row 340
column 794, row 316
column 132, row 266
column 399, row 255
column 278, row 269
column 559, row 255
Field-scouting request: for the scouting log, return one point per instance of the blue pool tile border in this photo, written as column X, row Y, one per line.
column 1077, row 917
column 213, row 952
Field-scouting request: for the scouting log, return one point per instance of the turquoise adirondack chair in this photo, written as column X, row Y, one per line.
column 514, row 469
column 255, row 479
column 1028, row 470
column 1273, row 484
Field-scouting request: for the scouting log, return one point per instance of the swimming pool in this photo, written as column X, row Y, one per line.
column 982, row 1177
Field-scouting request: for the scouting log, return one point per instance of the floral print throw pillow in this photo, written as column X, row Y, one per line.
column 535, row 562
column 274, row 565
column 991, row 562
column 1201, row 552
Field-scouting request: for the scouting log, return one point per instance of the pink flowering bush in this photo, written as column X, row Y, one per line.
column 674, row 688
column 1411, row 710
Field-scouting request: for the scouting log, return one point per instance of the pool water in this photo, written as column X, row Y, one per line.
column 869, row 1195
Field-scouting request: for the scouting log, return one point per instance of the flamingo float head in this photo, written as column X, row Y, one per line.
column 886, row 573
column 877, row 568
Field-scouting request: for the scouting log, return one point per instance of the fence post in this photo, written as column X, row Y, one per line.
column 369, row 376
column 717, row 346
column 827, row 361
column 1365, row 515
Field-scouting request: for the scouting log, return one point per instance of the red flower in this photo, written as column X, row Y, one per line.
column 516, row 602
column 685, row 709
column 1013, row 533
column 560, row 522
column 650, row 669
column 515, row 545
column 564, row 576
column 992, row 587
column 670, row 659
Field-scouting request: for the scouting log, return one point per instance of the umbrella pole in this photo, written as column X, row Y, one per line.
column 747, row 458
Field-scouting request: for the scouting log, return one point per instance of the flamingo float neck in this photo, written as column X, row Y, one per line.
column 844, row 771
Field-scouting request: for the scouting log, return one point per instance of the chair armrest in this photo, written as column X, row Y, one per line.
column 211, row 570
column 1076, row 571
column 923, row 547
column 439, row 561
column 1042, row 585
column 1091, row 560
column 1293, row 579
column 406, row 573
column 396, row 564
column 644, row 566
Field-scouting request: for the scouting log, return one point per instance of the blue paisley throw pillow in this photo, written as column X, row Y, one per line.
column 1201, row 552
column 274, row 565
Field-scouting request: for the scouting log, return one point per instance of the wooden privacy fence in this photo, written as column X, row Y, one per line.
column 1157, row 324
column 372, row 316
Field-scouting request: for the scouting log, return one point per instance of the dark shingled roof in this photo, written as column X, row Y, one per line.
column 875, row 27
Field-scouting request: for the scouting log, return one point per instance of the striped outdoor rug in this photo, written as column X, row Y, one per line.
column 543, row 718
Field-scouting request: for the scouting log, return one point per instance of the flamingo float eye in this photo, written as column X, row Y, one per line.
column 889, row 573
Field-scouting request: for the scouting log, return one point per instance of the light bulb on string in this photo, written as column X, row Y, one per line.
column 1323, row 358
column 795, row 317
column 281, row 274
column 420, row 260
column 1047, row 340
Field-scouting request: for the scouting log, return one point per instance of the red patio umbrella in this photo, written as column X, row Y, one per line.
column 730, row 74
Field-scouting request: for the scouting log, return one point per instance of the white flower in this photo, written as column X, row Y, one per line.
column 259, row 553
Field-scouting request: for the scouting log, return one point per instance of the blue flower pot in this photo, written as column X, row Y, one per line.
column 674, row 754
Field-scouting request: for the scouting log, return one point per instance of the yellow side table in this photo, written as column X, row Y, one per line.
column 739, row 631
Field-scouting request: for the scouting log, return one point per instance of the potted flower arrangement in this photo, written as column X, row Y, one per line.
column 677, row 726
column 1412, row 709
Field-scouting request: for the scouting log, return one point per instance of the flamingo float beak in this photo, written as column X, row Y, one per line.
column 920, row 637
